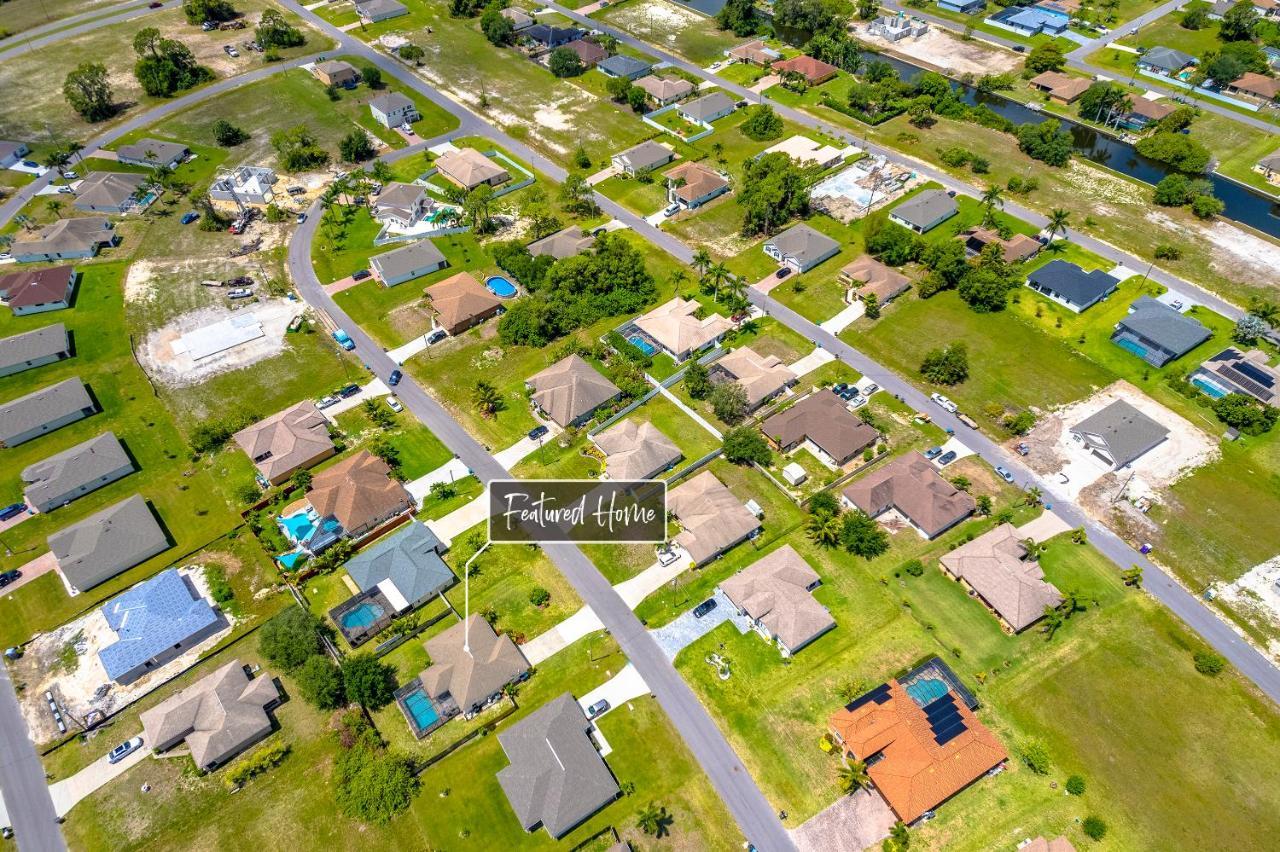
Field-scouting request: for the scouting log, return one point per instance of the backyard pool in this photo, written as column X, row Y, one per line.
column 288, row 560
column 926, row 690
column 500, row 287
column 643, row 345
column 1209, row 388
column 298, row 526
column 361, row 616
column 421, row 710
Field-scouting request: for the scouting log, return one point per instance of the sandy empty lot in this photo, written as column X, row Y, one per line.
column 946, row 52
column 177, row 369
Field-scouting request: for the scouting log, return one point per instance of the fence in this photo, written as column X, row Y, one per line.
column 707, row 129
column 396, row 641
column 694, row 466
column 484, row 729
column 384, row 240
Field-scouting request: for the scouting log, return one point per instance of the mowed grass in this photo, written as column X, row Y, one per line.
column 671, row 27
column 22, row 15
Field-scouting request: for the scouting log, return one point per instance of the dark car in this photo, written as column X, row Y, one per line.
column 189, row 217
column 155, row 4
column 9, row 576
column 839, row 388
column 848, row 393
column 947, row 458
column 349, row 391
column 437, row 335
column 394, row 378
column 703, row 608
column 784, row 272
column 596, row 709
column 12, row 511
column 537, row 432
column 360, row 275
column 1018, row 48
column 932, row 453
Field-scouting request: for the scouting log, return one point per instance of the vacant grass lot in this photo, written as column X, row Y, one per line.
column 671, row 27
column 22, row 15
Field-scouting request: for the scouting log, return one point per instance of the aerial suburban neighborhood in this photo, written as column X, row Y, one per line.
column 632, row 425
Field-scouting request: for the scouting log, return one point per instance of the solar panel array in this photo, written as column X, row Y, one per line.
column 879, row 695
column 944, row 719
column 1237, row 376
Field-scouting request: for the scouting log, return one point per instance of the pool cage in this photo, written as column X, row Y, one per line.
column 936, row 669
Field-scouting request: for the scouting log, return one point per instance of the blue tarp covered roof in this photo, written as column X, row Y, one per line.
column 151, row 617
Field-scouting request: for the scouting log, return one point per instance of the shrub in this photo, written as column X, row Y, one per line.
column 291, row 638
column 372, row 784
column 539, row 597
column 1209, row 663
column 1075, row 785
column 948, row 366
column 219, row 588
column 1094, row 827
column 1036, row 757
column 745, row 444
column 267, row 757
column 1164, row 251
column 915, row 567
column 762, row 124
column 368, row 680
column 320, row 682
column 227, row 134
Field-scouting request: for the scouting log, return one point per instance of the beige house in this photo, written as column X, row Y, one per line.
column 461, row 302
column 763, row 378
column 570, row 391
column 870, row 277
column 665, row 90
column 995, row 567
column 636, row 449
column 822, row 423
column 291, row 440
column 471, row 679
column 468, row 168
column 776, row 594
column 911, row 486
column 712, row 519
column 335, row 72
column 675, row 327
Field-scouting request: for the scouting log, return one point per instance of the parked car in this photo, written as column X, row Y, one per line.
column 848, row 393
column 326, row 401
column 858, row 400
column 394, row 378
column 598, row 708
column 394, row 404
column 671, row 210
column 344, row 340
column 239, row 293
column 70, row 175
column 154, row 4
column 1005, row 473
column 31, row 164
column 1023, row 448
column 123, row 750
column 208, row 26
column 296, row 190
column 189, row 217
column 537, row 432
column 8, row 577
column 4, row 255
column 947, row 458
column 66, row 190
column 932, row 453
column 839, row 388
column 12, row 511
column 302, row 217
column 783, row 272
column 436, row 336
column 705, row 607
column 407, row 129
column 349, row 391
column 360, row 275
column 1176, row 304
column 945, row 403
column 231, row 51
column 870, row 389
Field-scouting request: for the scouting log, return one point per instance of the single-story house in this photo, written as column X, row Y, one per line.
column 776, row 593
column 108, row 543
column 1016, row 249
column 45, row 345
column 335, row 72
column 823, row 421
column 407, row 262
column 803, row 151
column 801, row 247
column 589, row 53
column 621, row 65
column 405, row 566
column 372, row 11
column 548, row 37
column 155, row 622
column 897, row 27
column 471, row 678
column 1269, row 166
column 1233, row 371
column 392, row 109
column 109, row 192
column 636, row 449
column 469, row 168
column 1119, row 434
column 918, row 752
column 566, row 243
column 1031, row 20
column 556, row 779
column 1165, row 61
column 645, row 157
column 65, row 239
column 291, row 440
column 707, row 108
column 38, row 291
column 402, row 204
column 665, row 90
column 995, row 567
column 1144, row 111
column 712, row 519
column 925, row 211
column 911, row 486
column 869, row 277
column 218, row 716
column 1060, row 87
column 75, row 472
column 755, row 53
column 814, row 71
column 359, row 493
column 248, row 185
column 692, row 184
column 570, row 390
column 519, row 18
column 11, row 153
column 964, row 7
column 153, row 153
column 674, row 327
column 1157, row 333
column 461, row 302
column 1254, row 85
column 1069, row 285
column 43, row 411
column 763, row 378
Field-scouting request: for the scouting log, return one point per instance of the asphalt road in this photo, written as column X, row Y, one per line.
column 47, row 34
column 26, row 794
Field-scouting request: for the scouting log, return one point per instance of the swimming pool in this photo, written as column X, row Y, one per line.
column 926, row 690
column 289, row 560
column 1211, row 389
column 1133, row 346
column 500, row 287
column 298, row 526
column 643, row 345
column 420, row 709
column 361, row 616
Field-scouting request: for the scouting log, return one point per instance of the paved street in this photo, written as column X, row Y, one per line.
column 63, row 28
column 22, row 777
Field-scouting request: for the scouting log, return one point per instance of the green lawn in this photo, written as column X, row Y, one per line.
column 671, row 27
column 420, row 451
column 24, row 15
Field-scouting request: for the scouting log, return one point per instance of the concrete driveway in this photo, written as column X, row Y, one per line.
column 15, row 520
column 685, row 630
column 375, row 389
column 67, row 793
column 618, row 690
column 851, row 824
column 38, row 567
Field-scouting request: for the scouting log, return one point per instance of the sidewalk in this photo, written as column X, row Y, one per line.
column 460, row 520
column 373, row 390
column 67, row 793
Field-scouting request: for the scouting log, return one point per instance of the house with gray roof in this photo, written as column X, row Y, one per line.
column 152, row 153
column 1164, row 61
column 776, row 593
column 393, row 109
column 155, row 622
column 108, row 543
column 801, row 247
column 925, row 211
column 43, row 411
column 556, row 779
column 1119, row 434
column 109, row 192
column 11, row 153
column 372, row 11
column 46, row 345
column 411, row 261
column 1070, row 286
column 572, row 240
column 620, row 65
column 405, row 566
column 570, row 391
column 707, row 108
column 1158, row 333
column 65, row 239
column 646, row 156
column 1232, row 371
column 218, row 716
column 75, row 472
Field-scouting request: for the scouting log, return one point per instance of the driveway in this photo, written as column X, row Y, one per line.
column 618, row 690
column 1044, row 527
column 38, row 567
column 811, row 362
column 685, row 630
column 460, row 520
column 852, row 823
column 67, row 793
column 343, row 284
column 561, row 636
column 450, row 471
column 373, row 390
column 517, row 452
column 845, row 318
column 14, row 521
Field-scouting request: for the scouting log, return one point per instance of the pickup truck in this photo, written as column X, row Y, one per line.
column 966, row 420
column 344, row 340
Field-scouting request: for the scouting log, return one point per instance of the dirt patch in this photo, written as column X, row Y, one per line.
column 410, row 321
column 945, row 52
column 1256, row 595
column 656, row 17
column 1235, row 252
column 165, row 354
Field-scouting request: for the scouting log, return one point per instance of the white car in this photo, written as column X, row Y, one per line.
column 858, row 401
column 946, row 404
column 5, row 256
column 239, row 293
column 394, row 404
column 123, row 750
column 407, row 128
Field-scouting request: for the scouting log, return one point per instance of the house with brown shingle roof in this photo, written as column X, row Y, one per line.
column 636, row 449
column 692, row 185
column 562, row 244
column 1144, row 111
column 776, row 593
column 1016, row 249
column 755, row 53
column 917, row 756
column 869, row 277
column 471, row 679
column 588, row 51
column 288, row 441
column 912, row 487
column 359, row 493
column 461, row 302
column 674, row 327
column 814, row 71
column 570, row 391
column 995, row 567
column 469, row 168
column 762, row 377
column 664, row 90
column 109, row 192
column 38, row 291
column 1060, row 87
column 1254, row 85
column 823, row 423
column 712, row 519
column 65, row 239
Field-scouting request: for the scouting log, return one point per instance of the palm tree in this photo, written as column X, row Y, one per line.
column 1058, row 223
column 1052, row 621
column 852, row 777
column 702, row 261
column 1268, row 312
column 678, row 278
column 736, row 291
column 718, row 272
column 1033, row 548
column 1033, row 495
column 486, row 398
column 381, row 171
column 991, row 199
column 824, row 529
column 55, row 207
column 653, row 819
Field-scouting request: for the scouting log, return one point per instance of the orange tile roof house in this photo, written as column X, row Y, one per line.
column 1016, row 249
column 38, row 291
column 870, row 277
column 911, row 485
column 291, row 440
column 918, row 753
column 712, row 519
column 469, row 168
column 823, row 420
column 570, row 391
column 674, row 326
column 814, row 71
column 461, row 302
column 1060, row 87
column 995, row 566
column 359, row 493
column 763, row 378
column 775, row 593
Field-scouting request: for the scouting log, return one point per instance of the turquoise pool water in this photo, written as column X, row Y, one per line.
column 361, row 616
column 500, row 287
column 421, row 709
column 643, row 345
column 1211, row 390
column 289, row 560
column 926, row 690
column 1136, row 348
column 298, row 526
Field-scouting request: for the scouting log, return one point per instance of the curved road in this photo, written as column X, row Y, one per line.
column 51, row 33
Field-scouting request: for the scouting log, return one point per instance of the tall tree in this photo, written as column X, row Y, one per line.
column 88, row 92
